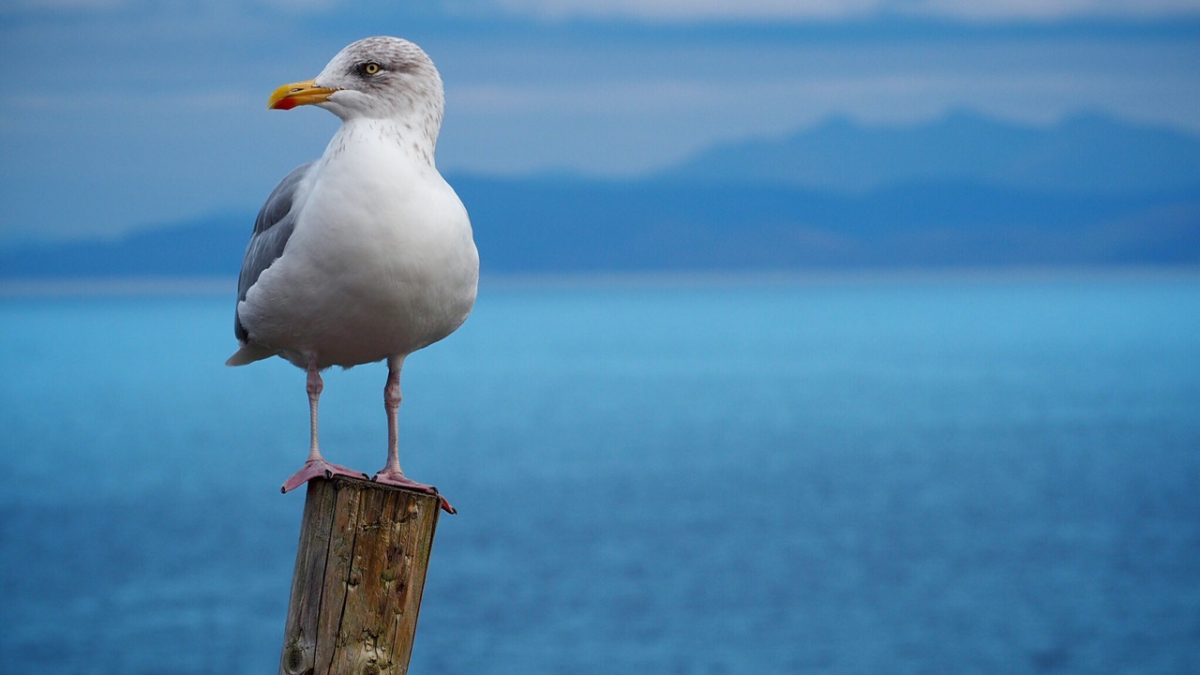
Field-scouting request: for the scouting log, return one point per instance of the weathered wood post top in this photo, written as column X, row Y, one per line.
column 360, row 571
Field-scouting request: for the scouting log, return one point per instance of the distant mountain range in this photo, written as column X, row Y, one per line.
column 961, row 191
column 1085, row 153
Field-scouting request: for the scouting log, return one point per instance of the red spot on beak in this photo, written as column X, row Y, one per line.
column 286, row 103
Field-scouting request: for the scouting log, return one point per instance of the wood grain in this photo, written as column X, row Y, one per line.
column 360, row 571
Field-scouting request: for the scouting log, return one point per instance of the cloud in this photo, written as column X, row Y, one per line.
column 59, row 5
column 1040, row 10
column 672, row 10
column 810, row 10
column 226, row 6
column 302, row 6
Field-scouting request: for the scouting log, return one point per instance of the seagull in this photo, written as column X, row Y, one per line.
column 365, row 254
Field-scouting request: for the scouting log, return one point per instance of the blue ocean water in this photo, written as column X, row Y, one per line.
column 889, row 475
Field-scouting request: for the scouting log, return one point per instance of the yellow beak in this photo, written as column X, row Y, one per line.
column 297, row 93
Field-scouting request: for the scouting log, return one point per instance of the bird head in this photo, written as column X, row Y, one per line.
column 376, row 77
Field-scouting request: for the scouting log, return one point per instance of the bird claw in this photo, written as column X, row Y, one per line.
column 398, row 479
column 315, row 468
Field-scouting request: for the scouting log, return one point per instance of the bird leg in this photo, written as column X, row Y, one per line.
column 315, row 466
column 391, row 473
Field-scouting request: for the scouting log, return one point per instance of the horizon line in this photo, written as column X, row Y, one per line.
column 164, row 286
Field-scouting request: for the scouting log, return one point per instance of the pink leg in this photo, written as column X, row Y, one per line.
column 391, row 473
column 315, row 466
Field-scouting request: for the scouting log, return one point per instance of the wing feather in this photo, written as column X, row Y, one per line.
column 272, row 229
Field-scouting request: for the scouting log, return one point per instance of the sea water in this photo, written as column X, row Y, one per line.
column 883, row 475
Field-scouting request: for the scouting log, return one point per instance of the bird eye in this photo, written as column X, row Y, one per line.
column 370, row 68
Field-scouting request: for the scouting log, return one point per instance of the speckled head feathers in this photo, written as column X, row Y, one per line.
column 383, row 77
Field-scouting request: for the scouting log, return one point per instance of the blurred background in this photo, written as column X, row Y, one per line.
column 813, row 336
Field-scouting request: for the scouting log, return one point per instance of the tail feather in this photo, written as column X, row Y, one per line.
column 249, row 353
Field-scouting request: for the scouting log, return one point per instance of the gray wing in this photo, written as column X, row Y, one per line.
column 272, row 229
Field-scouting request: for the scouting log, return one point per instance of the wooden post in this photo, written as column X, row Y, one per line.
column 360, row 570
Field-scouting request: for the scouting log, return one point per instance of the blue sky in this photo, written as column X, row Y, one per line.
column 121, row 114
